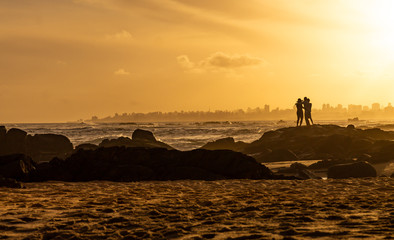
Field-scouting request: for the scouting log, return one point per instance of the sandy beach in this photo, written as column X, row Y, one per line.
column 228, row 209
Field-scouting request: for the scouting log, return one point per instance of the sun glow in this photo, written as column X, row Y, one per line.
column 379, row 18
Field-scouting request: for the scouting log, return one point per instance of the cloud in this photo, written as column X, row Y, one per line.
column 220, row 61
column 121, row 71
column 120, row 36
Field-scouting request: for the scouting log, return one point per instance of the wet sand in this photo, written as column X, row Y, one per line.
column 228, row 209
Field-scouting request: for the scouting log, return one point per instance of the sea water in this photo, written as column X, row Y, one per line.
column 180, row 135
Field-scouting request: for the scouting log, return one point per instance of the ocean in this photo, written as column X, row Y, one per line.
column 180, row 135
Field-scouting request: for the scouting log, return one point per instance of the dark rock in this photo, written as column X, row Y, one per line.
column 86, row 146
column 44, row 147
column 53, row 170
column 326, row 163
column 3, row 132
column 10, row 183
column 143, row 135
column 336, row 145
column 298, row 165
column 392, row 175
column 298, row 170
column 323, row 142
column 135, row 164
column 306, row 174
column 225, row 143
column 141, row 138
column 119, row 142
column 356, row 170
column 350, row 127
column 384, row 154
column 279, row 155
column 15, row 141
column 17, row 166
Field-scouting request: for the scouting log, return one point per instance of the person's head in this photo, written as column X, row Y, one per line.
column 305, row 98
column 309, row 100
column 299, row 100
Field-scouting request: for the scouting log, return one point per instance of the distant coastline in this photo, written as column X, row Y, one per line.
column 327, row 112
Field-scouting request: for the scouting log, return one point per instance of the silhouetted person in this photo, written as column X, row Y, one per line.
column 308, row 110
column 305, row 106
column 299, row 112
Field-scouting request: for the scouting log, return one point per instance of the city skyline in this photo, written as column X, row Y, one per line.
column 352, row 112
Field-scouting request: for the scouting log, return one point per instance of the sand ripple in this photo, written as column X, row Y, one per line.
column 228, row 209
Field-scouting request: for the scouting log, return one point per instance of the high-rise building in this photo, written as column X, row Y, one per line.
column 375, row 107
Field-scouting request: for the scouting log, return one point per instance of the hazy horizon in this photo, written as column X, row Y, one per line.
column 73, row 59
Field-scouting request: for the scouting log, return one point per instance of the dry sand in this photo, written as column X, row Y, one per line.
column 228, row 209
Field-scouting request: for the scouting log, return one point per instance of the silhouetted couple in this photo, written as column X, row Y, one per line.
column 307, row 106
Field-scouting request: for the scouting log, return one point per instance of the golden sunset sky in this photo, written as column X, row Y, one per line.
column 64, row 60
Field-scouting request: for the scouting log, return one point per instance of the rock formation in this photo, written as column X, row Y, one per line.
column 355, row 170
column 140, row 138
column 135, row 164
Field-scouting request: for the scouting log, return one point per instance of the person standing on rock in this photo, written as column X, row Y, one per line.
column 299, row 112
column 308, row 110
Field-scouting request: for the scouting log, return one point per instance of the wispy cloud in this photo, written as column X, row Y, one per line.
column 121, row 71
column 120, row 36
column 220, row 61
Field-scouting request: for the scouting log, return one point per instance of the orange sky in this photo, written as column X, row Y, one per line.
column 64, row 60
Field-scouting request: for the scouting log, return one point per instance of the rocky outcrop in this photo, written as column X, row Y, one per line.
column 40, row 147
column 316, row 142
column 225, row 143
column 16, row 166
column 44, row 147
column 136, row 164
column 352, row 170
column 10, row 183
column 86, row 146
column 140, row 138
column 15, row 141
column 143, row 135
column 298, row 170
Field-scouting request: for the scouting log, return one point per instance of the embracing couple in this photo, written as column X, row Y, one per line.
column 307, row 106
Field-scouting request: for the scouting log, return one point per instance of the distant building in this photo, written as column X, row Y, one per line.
column 266, row 108
column 355, row 109
column 375, row 107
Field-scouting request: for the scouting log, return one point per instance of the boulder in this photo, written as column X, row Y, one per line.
column 15, row 141
column 326, row 163
column 299, row 171
column 225, row 143
column 143, row 135
column 3, row 132
column 53, row 170
column 44, row 147
column 10, row 183
column 16, row 166
column 136, row 164
column 119, row 142
column 298, row 165
column 141, row 138
column 355, row 170
column 86, row 146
